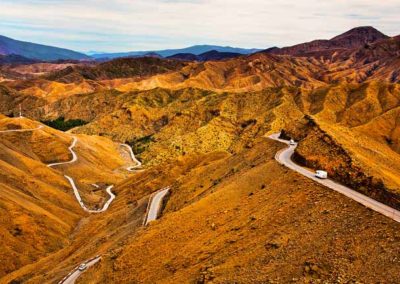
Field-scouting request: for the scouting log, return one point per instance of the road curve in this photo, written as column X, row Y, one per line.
column 71, row 150
column 74, row 187
column 74, row 274
column 78, row 197
column 22, row 130
column 284, row 157
column 155, row 205
column 138, row 163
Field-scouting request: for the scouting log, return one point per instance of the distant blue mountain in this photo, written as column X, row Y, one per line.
column 196, row 50
column 206, row 56
column 9, row 46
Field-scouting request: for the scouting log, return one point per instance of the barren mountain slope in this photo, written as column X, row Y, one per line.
column 233, row 213
column 229, row 218
column 351, row 39
column 38, row 208
column 207, row 121
column 378, row 60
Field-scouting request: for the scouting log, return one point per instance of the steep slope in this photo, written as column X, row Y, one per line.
column 38, row 213
column 38, row 208
column 229, row 218
column 10, row 46
column 162, row 124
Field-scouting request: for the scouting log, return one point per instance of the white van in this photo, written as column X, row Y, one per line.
column 292, row 142
column 321, row 174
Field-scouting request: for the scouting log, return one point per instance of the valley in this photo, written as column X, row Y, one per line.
column 163, row 170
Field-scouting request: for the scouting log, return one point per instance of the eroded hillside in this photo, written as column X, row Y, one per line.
column 38, row 208
column 233, row 214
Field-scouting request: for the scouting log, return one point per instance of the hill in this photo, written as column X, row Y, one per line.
column 233, row 214
column 39, row 210
column 117, row 68
column 35, row 51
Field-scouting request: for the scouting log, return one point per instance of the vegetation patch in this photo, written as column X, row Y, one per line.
column 140, row 145
column 64, row 125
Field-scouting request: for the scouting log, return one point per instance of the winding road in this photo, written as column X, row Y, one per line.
column 284, row 157
column 74, row 187
column 152, row 212
column 155, row 205
column 73, row 275
column 138, row 163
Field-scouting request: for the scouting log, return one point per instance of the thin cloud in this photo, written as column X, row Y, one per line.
column 122, row 25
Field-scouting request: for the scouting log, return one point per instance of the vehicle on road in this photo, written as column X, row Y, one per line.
column 292, row 142
column 82, row 267
column 321, row 174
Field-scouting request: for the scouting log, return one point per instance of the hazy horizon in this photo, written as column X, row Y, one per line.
column 120, row 25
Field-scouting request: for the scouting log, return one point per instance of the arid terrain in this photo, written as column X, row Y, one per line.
column 233, row 213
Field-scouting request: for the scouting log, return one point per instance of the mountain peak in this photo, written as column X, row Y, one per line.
column 360, row 35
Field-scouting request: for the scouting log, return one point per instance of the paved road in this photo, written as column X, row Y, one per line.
column 71, row 150
column 73, row 275
column 78, row 197
column 138, row 163
column 74, row 187
column 284, row 157
column 22, row 130
column 155, row 204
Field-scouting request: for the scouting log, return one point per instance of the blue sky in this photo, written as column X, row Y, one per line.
column 123, row 25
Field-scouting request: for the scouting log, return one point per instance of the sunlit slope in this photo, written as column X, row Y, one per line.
column 163, row 124
column 37, row 203
column 105, row 233
column 377, row 61
column 229, row 218
column 38, row 211
column 245, row 218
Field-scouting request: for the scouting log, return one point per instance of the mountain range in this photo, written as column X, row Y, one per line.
column 195, row 50
column 201, row 125
column 30, row 50
column 41, row 52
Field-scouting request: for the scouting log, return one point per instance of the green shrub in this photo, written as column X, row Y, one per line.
column 64, row 125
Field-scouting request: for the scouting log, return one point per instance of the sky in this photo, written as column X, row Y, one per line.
column 127, row 25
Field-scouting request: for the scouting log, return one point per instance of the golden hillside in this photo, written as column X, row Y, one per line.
column 233, row 214
column 37, row 204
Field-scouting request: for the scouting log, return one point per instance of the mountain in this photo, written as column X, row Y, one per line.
column 234, row 214
column 351, row 39
column 184, row 56
column 16, row 59
column 116, row 68
column 196, row 50
column 35, row 51
column 206, row 56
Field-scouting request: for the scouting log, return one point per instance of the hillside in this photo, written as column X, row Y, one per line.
column 39, row 211
column 258, row 222
column 9, row 46
column 200, row 124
